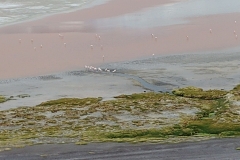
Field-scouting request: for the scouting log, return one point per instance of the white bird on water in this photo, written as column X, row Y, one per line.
column 91, row 46
column 152, row 35
column 210, row 30
column 61, row 36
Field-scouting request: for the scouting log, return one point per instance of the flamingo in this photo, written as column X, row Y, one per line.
column 61, row 36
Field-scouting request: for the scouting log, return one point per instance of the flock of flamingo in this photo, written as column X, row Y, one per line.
column 98, row 37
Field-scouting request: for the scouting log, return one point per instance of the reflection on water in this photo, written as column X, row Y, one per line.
column 170, row 14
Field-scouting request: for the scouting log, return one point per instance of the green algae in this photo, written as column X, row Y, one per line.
column 194, row 92
column 3, row 99
column 188, row 113
column 71, row 101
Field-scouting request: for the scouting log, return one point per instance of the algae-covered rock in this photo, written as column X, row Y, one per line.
column 3, row 99
column 237, row 88
column 71, row 101
column 194, row 92
column 23, row 95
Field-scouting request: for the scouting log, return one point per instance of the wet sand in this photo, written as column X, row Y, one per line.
column 50, row 52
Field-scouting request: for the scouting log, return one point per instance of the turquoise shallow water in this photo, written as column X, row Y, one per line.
column 13, row 11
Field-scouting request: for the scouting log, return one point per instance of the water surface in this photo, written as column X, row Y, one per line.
column 170, row 14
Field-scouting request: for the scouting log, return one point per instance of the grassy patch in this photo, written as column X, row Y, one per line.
column 145, row 117
column 71, row 101
column 194, row 92
column 210, row 126
column 3, row 99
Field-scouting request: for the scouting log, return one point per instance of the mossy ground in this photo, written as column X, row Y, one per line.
column 2, row 99
column 187, row 114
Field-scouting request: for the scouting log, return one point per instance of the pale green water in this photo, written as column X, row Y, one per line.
column 13, row 11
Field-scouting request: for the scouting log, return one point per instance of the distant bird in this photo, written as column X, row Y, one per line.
column 153, row 54
column 235, row 22
column 61, row 36
column 114, row 70
column 101, row 47
column 152, row 35
column 91, row 46
column 234, row 32
column 210, row 30
column 99, row 38
column 41, row 46
column 32, row 40
column 65, row 44
column 35, row 48
column 103, row 58
column 156, row 38
column 20, row 41
column 187, row 37
column 236, row 36
column 99, row 69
